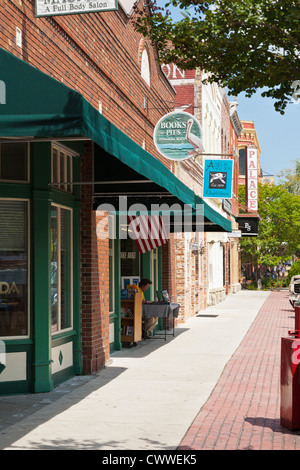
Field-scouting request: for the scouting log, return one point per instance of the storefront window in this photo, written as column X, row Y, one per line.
column 130, row 259
column 62, row 169
column 13, row 268
column 14, row 162
column 61, row 268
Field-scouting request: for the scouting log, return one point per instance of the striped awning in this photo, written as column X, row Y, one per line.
column 148, row 231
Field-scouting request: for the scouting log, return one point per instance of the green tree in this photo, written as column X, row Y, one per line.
column 279, row 226
column 295, row 269
column 245, row 45
column 291, row 179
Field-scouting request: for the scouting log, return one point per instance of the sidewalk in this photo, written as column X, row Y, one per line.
column 243, row 411
column 214, row 386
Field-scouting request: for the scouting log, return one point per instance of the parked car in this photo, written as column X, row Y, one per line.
column 294, row 289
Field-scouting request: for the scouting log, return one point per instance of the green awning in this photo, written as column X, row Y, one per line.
column 36, row 105
column 214, row 216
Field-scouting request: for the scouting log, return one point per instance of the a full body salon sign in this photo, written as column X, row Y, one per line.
column 71, row 7
column 252, row 180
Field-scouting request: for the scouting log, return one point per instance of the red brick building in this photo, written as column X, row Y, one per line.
column 82, row 94
column 221, row 128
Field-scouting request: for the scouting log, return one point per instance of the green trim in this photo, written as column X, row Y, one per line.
column 63, row 375
column 15, row 388
column 17, row 346
column 15, row 343
column 15, row 190
column 117, row 279
column 61, row 198
column 63, row 337
column 112, row 317
column 213, row 215
column 146, row 270
column 77, row 290
column 41, row 257
column 20, row 386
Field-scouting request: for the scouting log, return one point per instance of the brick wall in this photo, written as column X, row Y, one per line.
column 191, row 281
column 94, row 268
column 97, row 54
column 169, row 267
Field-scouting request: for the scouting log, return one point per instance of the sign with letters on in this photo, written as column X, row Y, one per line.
column 218, row 179
column 71, row 7
column 248, row 226
column 251, row 178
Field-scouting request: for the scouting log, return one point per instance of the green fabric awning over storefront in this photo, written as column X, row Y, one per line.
column 32, row 104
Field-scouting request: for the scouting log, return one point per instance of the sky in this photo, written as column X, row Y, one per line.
column 278, row 135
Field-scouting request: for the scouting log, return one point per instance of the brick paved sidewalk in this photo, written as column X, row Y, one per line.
column 243, row 411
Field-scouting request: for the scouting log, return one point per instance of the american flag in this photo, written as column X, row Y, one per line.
column 148, row 231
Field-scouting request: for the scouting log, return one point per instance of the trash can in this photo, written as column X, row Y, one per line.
column 289, row 383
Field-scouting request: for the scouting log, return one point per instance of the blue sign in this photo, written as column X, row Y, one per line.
column 218, row 176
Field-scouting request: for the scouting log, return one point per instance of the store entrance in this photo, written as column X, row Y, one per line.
column 136, row 266
column 127, row 267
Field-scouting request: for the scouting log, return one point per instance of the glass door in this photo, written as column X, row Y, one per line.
column 130, row 263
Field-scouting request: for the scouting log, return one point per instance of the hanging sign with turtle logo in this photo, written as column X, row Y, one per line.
column 178, row 136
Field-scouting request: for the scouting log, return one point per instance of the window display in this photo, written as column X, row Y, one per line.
column 13, row 268
column 61, row 268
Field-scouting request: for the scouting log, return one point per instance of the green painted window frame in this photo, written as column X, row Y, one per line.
column 66, row 154
column 61, row 330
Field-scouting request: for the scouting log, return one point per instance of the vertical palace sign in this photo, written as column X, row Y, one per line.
column 71, row 7
column 251, row 178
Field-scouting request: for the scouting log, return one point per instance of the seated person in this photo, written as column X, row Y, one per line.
column 150, row 323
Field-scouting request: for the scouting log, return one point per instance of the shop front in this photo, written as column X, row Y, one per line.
column 119, row 192
column 57, row 312
column 39, row 281
column 127, row 267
